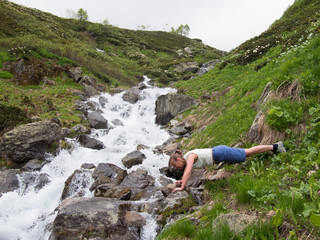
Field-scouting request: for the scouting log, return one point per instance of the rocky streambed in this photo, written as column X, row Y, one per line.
column 106, row 181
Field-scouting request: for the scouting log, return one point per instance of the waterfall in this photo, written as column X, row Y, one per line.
column 28, row 212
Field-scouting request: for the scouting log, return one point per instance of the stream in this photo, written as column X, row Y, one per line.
column 28, row 212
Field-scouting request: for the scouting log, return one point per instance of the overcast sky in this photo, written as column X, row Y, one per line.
column 223, row 24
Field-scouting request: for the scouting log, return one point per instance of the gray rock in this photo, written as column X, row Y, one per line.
column 111, row 190
column 186, row 67
column 208, row 66
column 30, row 141
column 103, row 101
column 181, row 128
column 132, row 95
column 75, row 73
column 236, row 221
column 101, row 180
column 80, row 129
column 34, row 165
column 112, row 171
column 90, row 91
column 8, row 181
column 138, row 179
column 88, row 166
column 97, row 121
column 79, row 180
column 134, row 219
column 92, row 143
column 99, row 218
column 133, row 158
column 170, row 105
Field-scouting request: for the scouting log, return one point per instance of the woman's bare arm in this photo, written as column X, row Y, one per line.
column 187, row 171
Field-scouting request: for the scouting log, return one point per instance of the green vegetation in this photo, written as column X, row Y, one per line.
column 287, row 55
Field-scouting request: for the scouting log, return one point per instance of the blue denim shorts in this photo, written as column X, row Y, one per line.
column 224, row 153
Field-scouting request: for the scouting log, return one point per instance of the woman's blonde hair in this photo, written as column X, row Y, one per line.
column 174, row 157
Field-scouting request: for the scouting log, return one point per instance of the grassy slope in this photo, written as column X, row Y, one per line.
column 31, row 34
column 287, row 53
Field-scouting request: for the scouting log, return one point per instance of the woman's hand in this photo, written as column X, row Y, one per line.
column 178, row 183
column 177, row 189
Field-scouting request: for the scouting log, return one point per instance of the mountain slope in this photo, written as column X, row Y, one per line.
column 128, row 54
column 282, row 189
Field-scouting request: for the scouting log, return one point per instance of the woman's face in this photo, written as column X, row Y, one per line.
column 179, row 164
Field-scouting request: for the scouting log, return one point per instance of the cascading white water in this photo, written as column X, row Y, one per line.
column 27, row 212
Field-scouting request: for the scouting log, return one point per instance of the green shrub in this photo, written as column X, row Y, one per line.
column 184, row 229
column 11, row 116
column 5, row 75
column 284, row 114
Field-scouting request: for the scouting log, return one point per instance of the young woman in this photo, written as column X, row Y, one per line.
column 199, row 158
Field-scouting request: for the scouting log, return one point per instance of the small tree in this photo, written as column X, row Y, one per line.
column 82, row 15
column 181, row 30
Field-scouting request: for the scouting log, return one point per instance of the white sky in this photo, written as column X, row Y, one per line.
column 223, row 24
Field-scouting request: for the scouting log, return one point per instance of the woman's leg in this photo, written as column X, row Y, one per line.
column 258, row 149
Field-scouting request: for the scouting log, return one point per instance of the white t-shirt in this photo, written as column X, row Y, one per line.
column 205, row 158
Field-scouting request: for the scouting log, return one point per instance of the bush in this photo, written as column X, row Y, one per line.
column 11, row 116
column 5, row 75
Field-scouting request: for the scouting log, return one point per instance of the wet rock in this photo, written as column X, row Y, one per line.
column 134, row 219
column 168, row 147
column 88, row 166
column 236, row 221
column 133, row 158
column 42, row 181
column 89, row 142
column 78, row 181
column 80, row 129
column 100, row 181
column 132, row 95
column 138, row 179
column 98, row 218
column 82, row 107
column 30, row 141
column 170, row 105
column 112, row 171
column 111, row 190
column 97, row 121
column 103, row 101
column 117, row 122
column 174, row 200
column 34, row 165
column 8, row 181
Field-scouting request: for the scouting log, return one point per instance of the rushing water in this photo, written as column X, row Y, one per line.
column 27, row 212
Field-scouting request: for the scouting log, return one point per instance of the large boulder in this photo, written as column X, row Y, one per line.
column 133, row 158
column 29, row 141
column 88, row 218
column 170, row 105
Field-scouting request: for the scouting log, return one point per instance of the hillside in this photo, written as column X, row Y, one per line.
column 264, row 91
column 49, row 46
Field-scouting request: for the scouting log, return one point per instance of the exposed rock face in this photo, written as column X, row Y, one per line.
column 29, row 141
column 133, row 158
column 170, row 105
column 208, row 66
column 8, row 181
column 186, row 67
column 98, row 218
